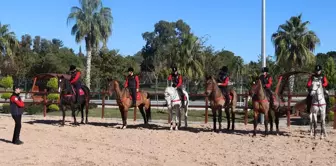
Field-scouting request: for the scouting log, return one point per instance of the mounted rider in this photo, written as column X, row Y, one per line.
column 223, row 82
column 317, row 75
column 177, row 81
column 75, row 80
column 266, row 81
column 132, row 83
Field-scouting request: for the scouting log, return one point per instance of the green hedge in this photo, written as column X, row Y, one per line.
column 53, row 96
column 5, row 108
column 53, row 107
column 6, row 96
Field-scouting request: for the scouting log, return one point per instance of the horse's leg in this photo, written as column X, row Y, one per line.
column 63, row 114
column 81, row 107
column 311, row 123
column 277, row 116
column 255, row 122
column 125, row 116
column 315, row 123
column 220, row 115
column 323, row 121
column 148, row 111
column 73, row 110
column 214, row 114
column 233, row 117
column 270, row 120
column 186, row 116
column 179, row 116
column 86, row 110
column 171, row 117
column 267, row 112
column 227, row 112
column 143, row 113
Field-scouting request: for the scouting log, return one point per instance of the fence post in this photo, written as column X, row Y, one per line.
column 288, row 108
column 246, row 108
column 45, row 103
column 334, row 115
column 103, row 104
column 206, row 110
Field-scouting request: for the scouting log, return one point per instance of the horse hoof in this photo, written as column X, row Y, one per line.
column 171, row 128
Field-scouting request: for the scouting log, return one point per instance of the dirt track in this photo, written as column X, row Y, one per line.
column 103, row 143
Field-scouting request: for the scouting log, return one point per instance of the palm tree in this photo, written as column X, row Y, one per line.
column 8, row 41
column 294, row 45
column 93, row 24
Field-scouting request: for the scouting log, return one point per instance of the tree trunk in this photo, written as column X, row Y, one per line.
column 291, row 82
column 88, row 67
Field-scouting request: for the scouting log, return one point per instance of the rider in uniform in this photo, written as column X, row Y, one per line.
column 176, row 78
column 266, row 81
column 75, row 81
column 132, row 83
column 223, row 82
column 318, row 74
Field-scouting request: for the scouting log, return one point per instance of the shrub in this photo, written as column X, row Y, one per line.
column 92, row 105
column 5, row 108
column 331, row 115
column 6, row 96
column 33, row 109
column 53, row 96
column 7, row 82
column 52, row 84
column 331, row 101
column 53, row 107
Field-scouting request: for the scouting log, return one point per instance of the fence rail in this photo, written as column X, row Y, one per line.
column 245, row 107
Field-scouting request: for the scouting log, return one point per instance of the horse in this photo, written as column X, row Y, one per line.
column 318, row 105
column 217, row 101
column 124, row 101
column 68, row 98
column 174, row 103
column 261, row 104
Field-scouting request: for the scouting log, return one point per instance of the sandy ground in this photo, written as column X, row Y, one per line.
column 102, row 143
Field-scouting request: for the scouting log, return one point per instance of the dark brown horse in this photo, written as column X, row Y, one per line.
column 67, row 98
column 124, row 101
column 261, row 104
column 217, row 101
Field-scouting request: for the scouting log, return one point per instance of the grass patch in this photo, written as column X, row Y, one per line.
column 157, row 114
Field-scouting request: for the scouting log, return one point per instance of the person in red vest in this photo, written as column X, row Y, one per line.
column 267, row 81
column 16, row 109
column 75, row 81
column 132, row 83
column 177, row 81
column 317, row 75
column 223, row 82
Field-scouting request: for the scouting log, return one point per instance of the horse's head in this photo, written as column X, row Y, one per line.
column 316, row 87
column 256, row 85
column 64, row 84
column 111, row 85
column 210, row 85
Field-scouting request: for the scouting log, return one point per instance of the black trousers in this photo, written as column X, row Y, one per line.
column 225, row 92
column 17, row 128
column 133, row 94
column 77, row 86
column 180, row 93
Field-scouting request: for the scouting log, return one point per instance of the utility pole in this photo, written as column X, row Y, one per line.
column 263, row 42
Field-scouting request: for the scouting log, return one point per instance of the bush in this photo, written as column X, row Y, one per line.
column 53, row 96
column 53, row 84
column 331, row 101
column 7, row 82
column 53, row 107
column 92, row 106
column 33, row 109
column 5, row 108
column 6, row 96
column 331, row 115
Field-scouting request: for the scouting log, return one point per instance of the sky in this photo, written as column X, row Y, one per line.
column 233, row 25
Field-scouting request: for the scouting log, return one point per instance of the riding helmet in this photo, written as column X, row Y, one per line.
column 318, row 68
column 72, row 67
column 174, row 68
column 130, row 69
column 265, row 69
column 224, row 69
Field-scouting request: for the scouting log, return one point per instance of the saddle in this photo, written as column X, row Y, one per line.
column 81, row 91
column 138, row 95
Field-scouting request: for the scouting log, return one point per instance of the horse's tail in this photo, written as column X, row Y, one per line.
column 87, row 94
column 149, row 107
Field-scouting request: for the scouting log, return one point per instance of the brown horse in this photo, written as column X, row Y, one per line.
column 260, row 104
column 217, row 101
column 124, row 101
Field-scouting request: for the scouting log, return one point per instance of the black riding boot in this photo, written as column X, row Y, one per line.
column 308, row 102
column 182, row 100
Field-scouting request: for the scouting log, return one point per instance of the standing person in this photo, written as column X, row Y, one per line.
column 132, row 83
column 16, row 109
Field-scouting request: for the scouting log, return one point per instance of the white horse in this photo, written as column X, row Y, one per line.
column 174, row 103
column 318, row 105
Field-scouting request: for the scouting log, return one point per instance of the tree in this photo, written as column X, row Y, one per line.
column 93, row 24
column 330, row 72
column 8, row 42
column 294, row 45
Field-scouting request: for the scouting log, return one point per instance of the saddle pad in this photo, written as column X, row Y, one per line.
column 81, row 92
column 138, row 96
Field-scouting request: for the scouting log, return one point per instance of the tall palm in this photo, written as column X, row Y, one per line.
column 93, row 24
column 8, row 41
column 294, row 45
